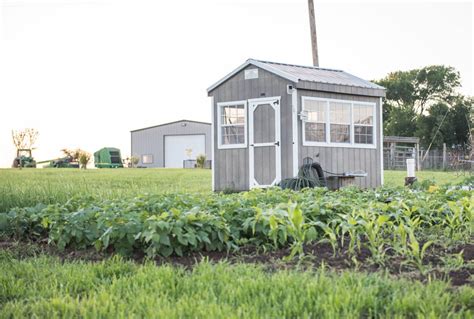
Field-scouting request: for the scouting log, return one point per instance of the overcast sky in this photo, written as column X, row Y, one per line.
column 86, row 72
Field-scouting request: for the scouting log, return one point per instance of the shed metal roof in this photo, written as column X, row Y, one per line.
column 297, row 73
column 174, row 122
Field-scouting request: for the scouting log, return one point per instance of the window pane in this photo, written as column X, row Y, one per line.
column 316, row 110
column 340, row 133
column 340, row 112
column 315, row 132
column 233, row 114
column 363, row 134
column 363, row 114
column 233, row 134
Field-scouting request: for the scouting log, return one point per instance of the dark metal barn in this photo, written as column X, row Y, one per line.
column 269, row 117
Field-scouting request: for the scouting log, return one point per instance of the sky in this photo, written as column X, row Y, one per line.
column 86, row 72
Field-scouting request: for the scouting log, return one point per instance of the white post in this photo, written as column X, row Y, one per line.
column 444, row 155
column 410, row 167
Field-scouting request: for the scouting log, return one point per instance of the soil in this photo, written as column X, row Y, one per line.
column 315, row 256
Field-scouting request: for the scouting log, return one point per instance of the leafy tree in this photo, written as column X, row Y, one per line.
column 434, row 126
column 454, row 124
column 421, row 88
column 418, row 100
column 400, row 122
column 434, row 84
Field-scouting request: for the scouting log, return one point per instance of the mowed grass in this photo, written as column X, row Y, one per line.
column 45, row 287
column 397, row 178
column 28, row 187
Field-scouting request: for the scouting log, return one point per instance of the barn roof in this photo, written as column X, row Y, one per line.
column 174, row 122
column 298, row 73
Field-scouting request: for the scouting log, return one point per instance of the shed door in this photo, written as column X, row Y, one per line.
column 264, row 139
column 183, row 147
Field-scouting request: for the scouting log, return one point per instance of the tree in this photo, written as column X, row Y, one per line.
column 436, row 83
column 434, row 128
column 417, row 103
column 25, row 139
column 448, row 124
column 401, row 121
column 421, row 88
column 78, row 155
column 84, row 158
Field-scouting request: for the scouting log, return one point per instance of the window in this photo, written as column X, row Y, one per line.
column 363, row 124
column 340, row 122
column 328, row 122
column 147, row 159
column 232, row 120
column 315, row 125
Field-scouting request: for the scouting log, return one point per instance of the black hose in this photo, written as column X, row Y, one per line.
column 309, row 175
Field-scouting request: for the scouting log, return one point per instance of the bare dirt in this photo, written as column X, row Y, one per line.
column 315, row 256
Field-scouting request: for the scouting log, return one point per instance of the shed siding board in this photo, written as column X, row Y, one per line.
column 150, row 141
column 232, row 169
column 341, row 159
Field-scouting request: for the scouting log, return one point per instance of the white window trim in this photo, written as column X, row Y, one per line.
column 328, row 138
column 219, row 125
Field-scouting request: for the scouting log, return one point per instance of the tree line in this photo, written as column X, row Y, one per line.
column 425, row 103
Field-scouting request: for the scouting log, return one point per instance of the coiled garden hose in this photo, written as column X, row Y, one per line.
column 309, row 176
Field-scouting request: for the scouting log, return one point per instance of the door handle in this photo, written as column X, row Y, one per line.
column 277, row 143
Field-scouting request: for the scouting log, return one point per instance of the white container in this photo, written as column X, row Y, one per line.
column 411, row 167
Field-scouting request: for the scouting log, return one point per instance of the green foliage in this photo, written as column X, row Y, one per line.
column 201, row 161
column 417, row 101
column 387, row 219
column 49, row 288
column 419, row 88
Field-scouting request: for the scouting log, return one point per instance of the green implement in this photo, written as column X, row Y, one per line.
column 108, row 157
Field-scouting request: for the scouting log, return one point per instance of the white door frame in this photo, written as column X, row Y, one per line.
column 253, row 104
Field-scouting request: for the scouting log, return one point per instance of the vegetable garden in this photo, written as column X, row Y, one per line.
column 423, row 232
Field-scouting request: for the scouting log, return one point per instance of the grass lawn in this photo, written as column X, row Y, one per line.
column 28, row 187
column 45, row 287
column 397, row 178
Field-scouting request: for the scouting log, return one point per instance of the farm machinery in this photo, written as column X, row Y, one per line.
column 63, row 162
column 108, row 157
column 24, row 158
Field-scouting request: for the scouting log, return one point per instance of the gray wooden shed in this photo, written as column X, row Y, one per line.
column 170, row 144
column 268, row 117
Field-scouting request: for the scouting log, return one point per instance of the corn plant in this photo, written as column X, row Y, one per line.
column 373, row 229
column 416, row 252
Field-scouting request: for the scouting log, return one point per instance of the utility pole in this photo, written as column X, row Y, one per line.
column 314, row 40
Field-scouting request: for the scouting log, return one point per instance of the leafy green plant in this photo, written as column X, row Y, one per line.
column 201, row 161
column 416, row 252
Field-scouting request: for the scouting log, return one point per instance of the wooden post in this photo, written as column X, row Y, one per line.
column 444, row 156
column 392, row 155
column 418, row 167
column 312, row 25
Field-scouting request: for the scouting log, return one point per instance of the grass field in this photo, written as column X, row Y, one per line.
column 378, row 253
column 45, row 287
column 27, row 187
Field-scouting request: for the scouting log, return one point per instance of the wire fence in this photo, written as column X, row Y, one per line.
column 435, row 159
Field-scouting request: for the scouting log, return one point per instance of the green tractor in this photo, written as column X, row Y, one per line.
column 108, row 157
column 24, row 158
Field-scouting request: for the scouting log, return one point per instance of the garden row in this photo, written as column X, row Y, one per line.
column 387, row 221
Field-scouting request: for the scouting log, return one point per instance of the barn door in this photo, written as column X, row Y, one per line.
column 264, row 140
